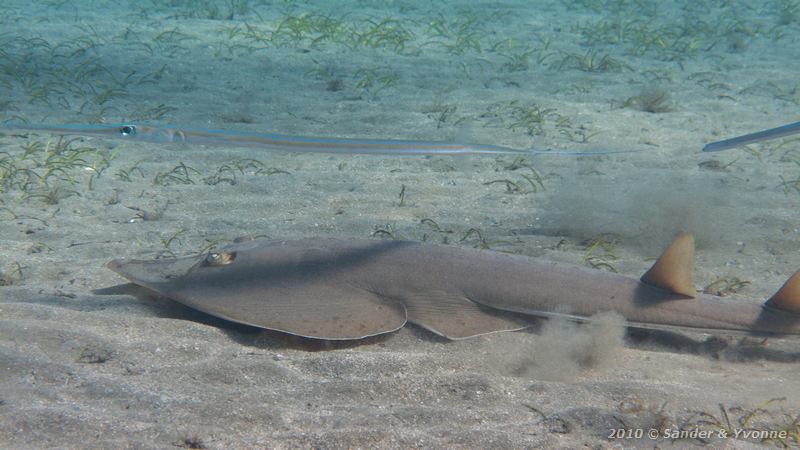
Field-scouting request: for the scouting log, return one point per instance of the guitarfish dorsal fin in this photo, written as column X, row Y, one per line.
column 788, row 296
column 674, row 269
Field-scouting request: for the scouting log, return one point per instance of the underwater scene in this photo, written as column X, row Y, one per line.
column 399, row 224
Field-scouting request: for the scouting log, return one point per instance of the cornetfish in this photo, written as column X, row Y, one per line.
column 297, row 144
column 350, row 289
column 765, row 135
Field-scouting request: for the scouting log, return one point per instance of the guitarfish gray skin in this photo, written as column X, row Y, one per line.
column 350, row 289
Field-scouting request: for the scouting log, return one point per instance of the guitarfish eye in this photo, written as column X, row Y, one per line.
column 127, row 130
column 220, row 258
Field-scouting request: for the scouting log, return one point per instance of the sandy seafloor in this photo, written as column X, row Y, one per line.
column 88, row 362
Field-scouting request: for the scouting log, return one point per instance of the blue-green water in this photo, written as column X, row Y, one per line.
column 88, row 369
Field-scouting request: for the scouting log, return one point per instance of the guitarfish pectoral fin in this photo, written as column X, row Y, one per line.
column 454, row 316
column 324, row 310
column 673, row 271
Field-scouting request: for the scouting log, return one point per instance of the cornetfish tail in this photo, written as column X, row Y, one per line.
column 534, row 152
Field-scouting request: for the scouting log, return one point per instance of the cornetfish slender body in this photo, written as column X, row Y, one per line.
column 287, row 143
column 350, row 289
column 765, row 135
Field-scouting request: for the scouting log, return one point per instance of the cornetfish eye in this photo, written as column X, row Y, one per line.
column 127, row 130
